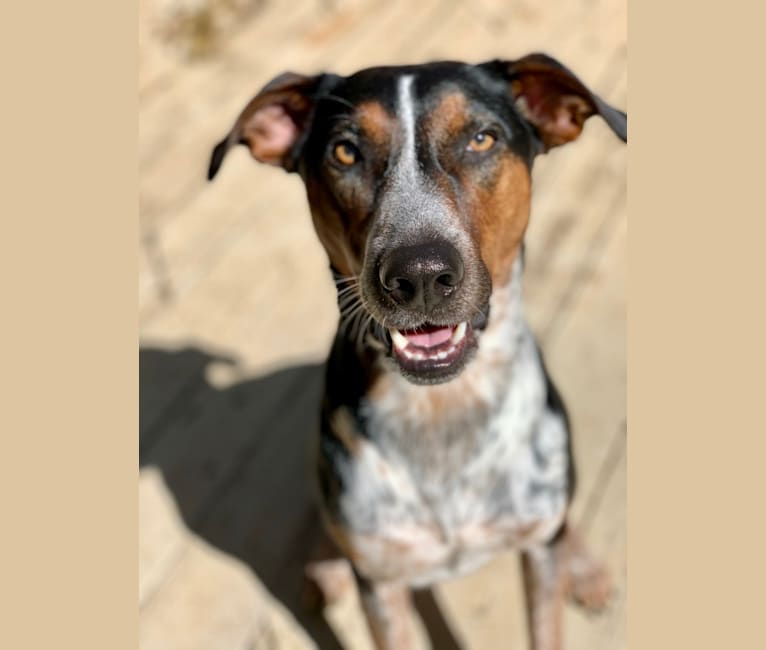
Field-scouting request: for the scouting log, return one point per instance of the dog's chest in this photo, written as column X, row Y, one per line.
column 425, row 503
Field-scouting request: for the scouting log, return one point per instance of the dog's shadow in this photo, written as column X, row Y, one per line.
column 236, row 460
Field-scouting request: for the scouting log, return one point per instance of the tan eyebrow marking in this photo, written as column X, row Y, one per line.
column 375, row 121
column 450, row 114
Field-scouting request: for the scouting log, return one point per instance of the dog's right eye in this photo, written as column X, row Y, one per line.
column 482, row 141
column 346, row 153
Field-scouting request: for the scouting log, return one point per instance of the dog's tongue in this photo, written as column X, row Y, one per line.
column 428, row 337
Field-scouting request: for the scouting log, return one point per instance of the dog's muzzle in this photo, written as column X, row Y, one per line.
column 430, row 330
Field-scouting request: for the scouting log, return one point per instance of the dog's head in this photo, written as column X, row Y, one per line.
column 418, row 179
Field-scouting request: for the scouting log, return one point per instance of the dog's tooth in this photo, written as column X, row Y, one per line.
column 412, row 354
column 459, row 332
column 399, row 340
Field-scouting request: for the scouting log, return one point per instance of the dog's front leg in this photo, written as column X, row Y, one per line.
column 388, row 608
column 544, row 584
column 562, row 569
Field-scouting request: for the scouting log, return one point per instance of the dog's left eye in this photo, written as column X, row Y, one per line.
column 482, row 141
column 346, row 153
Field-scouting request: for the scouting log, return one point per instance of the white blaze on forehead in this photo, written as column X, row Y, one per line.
column 407, row 166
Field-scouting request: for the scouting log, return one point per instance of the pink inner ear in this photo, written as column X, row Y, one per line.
column 271, row 133
column 564, row 123
column 559, row 115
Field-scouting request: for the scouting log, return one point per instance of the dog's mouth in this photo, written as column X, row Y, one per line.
column 432, row 353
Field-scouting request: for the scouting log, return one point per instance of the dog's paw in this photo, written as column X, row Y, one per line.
column 312, row 598
column 326, row 582
column 590, row 586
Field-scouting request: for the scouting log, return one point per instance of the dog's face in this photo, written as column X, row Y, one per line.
column 418, row 179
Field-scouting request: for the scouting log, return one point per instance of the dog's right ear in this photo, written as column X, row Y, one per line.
column 553, row 100
column 272, row 122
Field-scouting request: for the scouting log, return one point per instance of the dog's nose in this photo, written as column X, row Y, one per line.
column 422, row 275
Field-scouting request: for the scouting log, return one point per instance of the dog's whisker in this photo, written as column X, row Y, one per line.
column 363, row 331
column 350, row 298
column 354, row 289
column 349, row 302
column 476, row 309
column 346, row 291
column 372, row 328
column 340, row 100
column 357, row 320
column 339, row 117
column 350, row 314
column 346, row 279
column 351, row 329
column 355, row 324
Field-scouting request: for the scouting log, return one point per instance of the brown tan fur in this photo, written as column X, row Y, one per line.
column 343, row 427
column 376, row 123
column 341, row 238
column 500, row 211
column 448, row 117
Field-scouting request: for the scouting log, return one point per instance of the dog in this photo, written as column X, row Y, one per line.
column 443, row 439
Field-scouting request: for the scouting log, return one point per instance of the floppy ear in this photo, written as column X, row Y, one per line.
column 272, row 122
column 554, row 100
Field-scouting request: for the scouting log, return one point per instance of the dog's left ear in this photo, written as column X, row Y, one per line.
column 272, row 123
column 554, row 100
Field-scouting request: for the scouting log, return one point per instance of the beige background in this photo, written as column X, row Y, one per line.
column 69, row 547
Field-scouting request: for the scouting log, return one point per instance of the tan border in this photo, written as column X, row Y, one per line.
column 69, row 327
column 696, row 432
